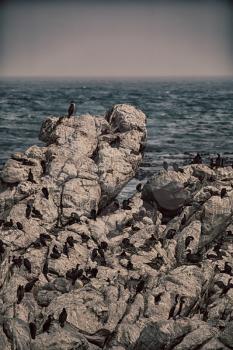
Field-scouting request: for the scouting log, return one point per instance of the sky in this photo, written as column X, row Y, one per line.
column 99, row 39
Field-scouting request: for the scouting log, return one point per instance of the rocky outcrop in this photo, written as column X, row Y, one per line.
column 79, row 270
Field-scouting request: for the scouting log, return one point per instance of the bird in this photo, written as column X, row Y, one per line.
column 172, row 310
column 62, row 317
column 227, row 269
column 84, row 238
column 188, row 240
column 104, row 245
column 45, row 192
column 93, row 214
column 36, row 213
column 170, row 233
column 225, row 288
column 140, row 286
column 183, row 220
column 28, row 286
column 8, row 224
column 66, row 250
column 55, row 253
column 47, row 323
column 17, row 261
column 175, row 167
column 19, row 226
column 125, row 205
column 32, row 328
column 43, row 166
column 197, row 159
column 223, row 192
column 28, row 211
column 74, row 218
column 45, row 269
column 157, row 298
column 193, row 257
column 139, row 187
column 71, row 109
column 27, row 264
column 129, row 265
column 218, row 161
column 20, row 294
column 31, row 177
column 70, row 240
column 165, row 165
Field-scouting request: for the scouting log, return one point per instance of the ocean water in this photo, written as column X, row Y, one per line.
column 184, row 117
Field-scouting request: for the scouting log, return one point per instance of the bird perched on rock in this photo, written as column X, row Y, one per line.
column 227, row 269
column 218, row 161
column 28, row 211
column 70, row 240
column 47, row 324
column 31, row 177
column 182, row 301
column 19, row 226
column 27, row 264
column 20, row 294
column 170, row 233
column 104, row 245
column 55, row 253
column 194, row 258
column 223, row 192
column 32, row 328
column 93, row 214
column 71, row 109
column 197, row 159
column 45, row 192
column 165, row 165
column 17, row 261
column 188, row 240
column 28, row 286
column 139, row 187
column 62, row 317
column 66, row 249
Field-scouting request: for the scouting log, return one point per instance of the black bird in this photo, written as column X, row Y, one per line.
column 71, row 109
column 55, row 253
column 2, row 249
column 156, row 263
column 183, row 221
column 211, row 163
column 197, row 159
column 170, row 233
column 45, row 269
column 140, row 286
column 139, row 187
column 172, row 310
column 227, row 269
column 62, row 317
column 19, row 226
column 225, row 288
column 70, row 240
column 27, row 264
column 44, row 237
column 20, row 294
column 93, row 272
column 157, row 298
column 66, row 250
column 218, row 161
column 125, row 205
column 223, row 192
column 36, row 213
column 17, row 261
column 45, row 192
column 32, row 328
column 188, row 240
column 28, row 211
column 94, row 254
column 31, row 177
column 28, row 286
column 43, row 166
column 175, row 167
column 47, row 323
column 182, row 301
column 84, row 238
column 193, row 257
column 104, row 245
column 74, row 218
column 165, row 165
column 129, row 265
column 8, row 224
column 93, row 214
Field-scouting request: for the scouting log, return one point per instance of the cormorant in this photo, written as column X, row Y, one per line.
column 66, row 250
column 104, row 245
column 32, row 328
column 71, row 109
column 188, row 240
column 157, row 298
column 223, row 192
column 193, row 257
column 197, row 159
column 47, row 324
column 19, row 226
column 30, row 177
column 165, row 165
column 55, row 253
column 62, row 317
column 183, row 221
column 139, row 187
column 20, row 294
column 218, row 161
column 27, row 264
column 17, row 261
column 93, row 214
column 28, row 211
column 28, row 286
column 45, row 192
column 70, row 240
column 182, row 301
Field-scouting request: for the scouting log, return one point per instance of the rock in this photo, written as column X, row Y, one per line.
column 122, row 271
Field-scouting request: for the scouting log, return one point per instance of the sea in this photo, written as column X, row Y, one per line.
column 183, row 116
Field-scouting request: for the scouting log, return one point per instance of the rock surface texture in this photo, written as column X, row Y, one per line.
column 81, row 271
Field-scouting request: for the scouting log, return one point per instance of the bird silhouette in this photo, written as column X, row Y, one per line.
column 62, row 317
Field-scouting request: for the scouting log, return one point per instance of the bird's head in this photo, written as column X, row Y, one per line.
column 72, row 102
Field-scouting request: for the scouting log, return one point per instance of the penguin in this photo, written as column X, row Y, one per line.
column 71, row 109
column 62, row 317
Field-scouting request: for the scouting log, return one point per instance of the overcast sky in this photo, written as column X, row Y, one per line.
column 116, row 38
